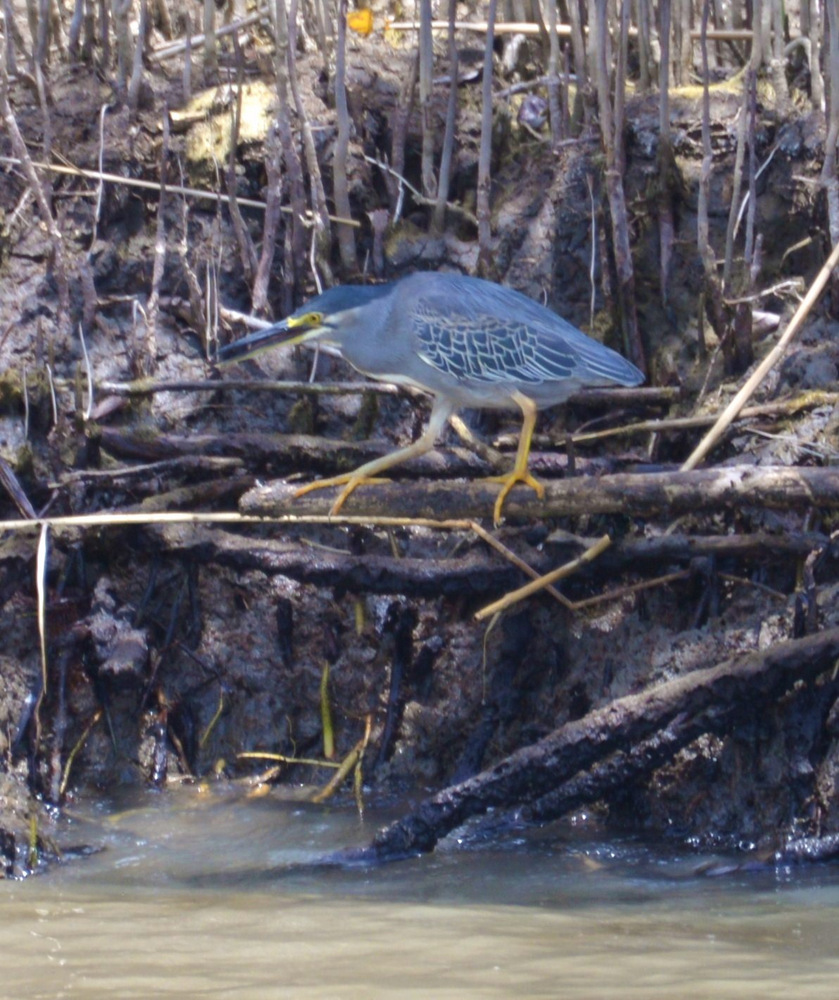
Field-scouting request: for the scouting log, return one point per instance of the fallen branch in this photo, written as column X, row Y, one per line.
column 617, row 770
column 472, row 574
column 709, row 698
column 282, row 452
column 631, row 494
column 809, row 850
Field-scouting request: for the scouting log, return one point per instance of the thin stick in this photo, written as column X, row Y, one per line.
column 283, row 759
column 148, row 344
column 228, row 517
column 340, row 182
column 148, row 387
column 80, row 742
column 633, row 588
column 41, row 587
column 531, row 28
column 518, row 562
column 783, row 408
column 89, row 373
column 347, row 764
column 533, row 588
column 194, row 41
column 187, row 192
column 731, row 412
column 483, row 205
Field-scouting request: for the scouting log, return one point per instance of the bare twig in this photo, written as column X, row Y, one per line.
column 247, row 251
column 148, row 387
column 321, row 230
column 400, row 130
column 11, row 484
column 426, row 73
column 645, row 53
column 210, row 51
column 439, row 215
column 89, row 374
column 485, row 154
column 120, row 10
column 582, row 106
column 104, row 32
column 829, row 176
column 294, row 170
column 273, row 193
column 711, row 289
column 533, row 28
column 684, row 42
column 554, row 109
column 197, row 313
column 811, row 27
column 186, row 192
column 666, row 165
column 193, row 41
column 148, row 360
column 404, row 184
column 346, row 237
column 611, row 127
column 520, row 563
column 136, row 80
column 508, row 600
column 778, row 62
column 733, row 409
column 187, row 71
column 11, row 34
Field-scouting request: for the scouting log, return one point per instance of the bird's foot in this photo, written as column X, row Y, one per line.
column 507, row 483
column 349, row 480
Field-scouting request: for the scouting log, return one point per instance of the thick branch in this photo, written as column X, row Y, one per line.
column 633, row 495
column 284, row 452
column 476, row 574
column 718, row 693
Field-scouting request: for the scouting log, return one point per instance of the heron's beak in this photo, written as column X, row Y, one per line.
column 289, row 331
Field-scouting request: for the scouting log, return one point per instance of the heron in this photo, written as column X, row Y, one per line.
column 466, row 341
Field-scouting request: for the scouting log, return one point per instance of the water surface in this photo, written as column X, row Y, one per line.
column 201, row 896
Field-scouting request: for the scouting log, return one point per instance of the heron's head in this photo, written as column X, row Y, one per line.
column 328, row 318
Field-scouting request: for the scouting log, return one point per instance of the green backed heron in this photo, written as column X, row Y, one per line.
column 468, row 342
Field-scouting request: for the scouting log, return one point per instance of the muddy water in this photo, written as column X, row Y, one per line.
column 199, row 896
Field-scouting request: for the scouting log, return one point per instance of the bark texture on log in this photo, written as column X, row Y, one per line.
column 709, row 698
column 631, row 494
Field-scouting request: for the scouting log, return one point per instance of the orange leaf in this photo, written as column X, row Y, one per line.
column 360, row 21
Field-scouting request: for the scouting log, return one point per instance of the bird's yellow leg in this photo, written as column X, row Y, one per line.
column 349, row 480
column 519, row 473
column 368, row 473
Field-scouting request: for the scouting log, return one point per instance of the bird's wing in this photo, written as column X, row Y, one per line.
column 474, row 344
column 474, row 347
